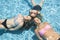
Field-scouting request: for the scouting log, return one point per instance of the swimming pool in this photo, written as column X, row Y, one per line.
column 10, row 8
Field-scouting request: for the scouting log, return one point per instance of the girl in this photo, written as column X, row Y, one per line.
column 45, row 31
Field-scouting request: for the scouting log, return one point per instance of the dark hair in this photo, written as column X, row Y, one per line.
column 29, row 24
column 59, row 39
column 37, row 7
column 39, row 16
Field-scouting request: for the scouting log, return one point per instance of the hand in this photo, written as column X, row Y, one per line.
column 37, row 21
column 27, row 18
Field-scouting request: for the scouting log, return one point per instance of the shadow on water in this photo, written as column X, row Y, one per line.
column 34, row 37
column 2, row 31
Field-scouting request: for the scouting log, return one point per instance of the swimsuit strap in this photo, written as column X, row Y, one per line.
column 4, row 24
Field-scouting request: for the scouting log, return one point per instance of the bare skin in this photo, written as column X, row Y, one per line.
column 49, row 34
column 33, row 13
column 10, row 22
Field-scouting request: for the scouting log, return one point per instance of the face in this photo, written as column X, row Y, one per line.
column 27, row 18
column 33, row 13
column 37, row 21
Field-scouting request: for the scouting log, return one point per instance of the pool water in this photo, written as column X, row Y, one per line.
column 11, row 8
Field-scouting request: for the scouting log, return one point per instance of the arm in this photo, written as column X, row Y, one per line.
column 36, row 31
column 33, row 2
column 41, row 3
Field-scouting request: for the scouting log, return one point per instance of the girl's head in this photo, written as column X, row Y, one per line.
column 35, row 10
column 33, row 13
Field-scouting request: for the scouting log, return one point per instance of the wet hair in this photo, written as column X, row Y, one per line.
column 37, row 7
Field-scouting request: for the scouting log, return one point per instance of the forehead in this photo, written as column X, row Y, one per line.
column 34, row 11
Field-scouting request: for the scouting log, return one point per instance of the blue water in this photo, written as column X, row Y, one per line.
column 10, row 8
